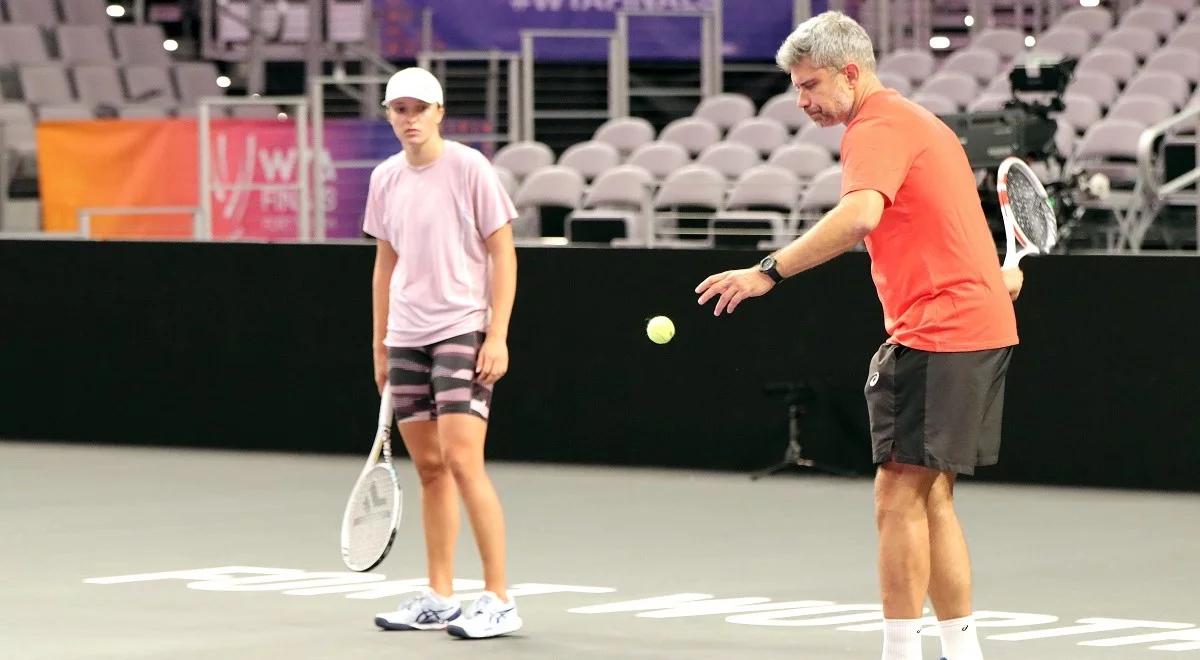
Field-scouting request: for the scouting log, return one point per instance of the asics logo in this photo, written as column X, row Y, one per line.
column 873, row 379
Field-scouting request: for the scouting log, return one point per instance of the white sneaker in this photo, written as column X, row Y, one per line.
column 487, row 617
column 425, row 611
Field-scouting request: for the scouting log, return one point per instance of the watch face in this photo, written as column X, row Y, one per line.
column 767, row 263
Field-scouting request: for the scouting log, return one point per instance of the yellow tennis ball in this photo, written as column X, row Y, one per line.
column 660, row 329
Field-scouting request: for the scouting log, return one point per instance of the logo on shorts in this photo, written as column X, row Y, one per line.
column 873, row 379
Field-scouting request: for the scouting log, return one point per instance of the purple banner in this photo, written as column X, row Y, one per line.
column 753, row 29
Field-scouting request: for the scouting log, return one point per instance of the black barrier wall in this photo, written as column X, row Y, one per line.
column 267, row 347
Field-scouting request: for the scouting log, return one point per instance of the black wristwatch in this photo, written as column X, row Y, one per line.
column 767, row 265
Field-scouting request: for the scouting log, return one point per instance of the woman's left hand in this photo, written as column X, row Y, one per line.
column 492, row 363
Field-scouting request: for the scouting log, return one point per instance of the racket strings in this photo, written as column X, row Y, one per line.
column 1031, row 212
column 369, row 520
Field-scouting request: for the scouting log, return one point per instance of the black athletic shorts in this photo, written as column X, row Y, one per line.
column 939, row 410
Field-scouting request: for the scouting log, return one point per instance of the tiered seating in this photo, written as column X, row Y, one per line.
column 727, row 174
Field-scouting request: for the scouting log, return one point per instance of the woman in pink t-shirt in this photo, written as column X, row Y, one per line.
column 442, row 291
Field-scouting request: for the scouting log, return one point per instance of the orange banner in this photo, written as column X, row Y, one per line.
column 115, row 163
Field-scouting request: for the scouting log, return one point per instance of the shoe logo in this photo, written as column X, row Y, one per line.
column 874, row 379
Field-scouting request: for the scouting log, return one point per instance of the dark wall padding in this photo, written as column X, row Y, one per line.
column 262, row 346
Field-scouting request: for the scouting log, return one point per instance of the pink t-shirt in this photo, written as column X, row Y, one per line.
column 437, row 218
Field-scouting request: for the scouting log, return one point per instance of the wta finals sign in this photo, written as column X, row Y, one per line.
column 753, row 29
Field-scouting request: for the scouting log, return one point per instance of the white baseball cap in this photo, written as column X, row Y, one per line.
column 414, row 82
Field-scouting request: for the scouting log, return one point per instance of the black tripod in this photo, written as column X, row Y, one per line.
column 796, row 395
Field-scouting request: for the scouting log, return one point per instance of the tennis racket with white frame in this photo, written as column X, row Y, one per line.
column 373, row 510
column 1029, row 221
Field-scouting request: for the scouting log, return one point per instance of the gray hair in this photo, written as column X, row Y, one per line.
column 829, row 40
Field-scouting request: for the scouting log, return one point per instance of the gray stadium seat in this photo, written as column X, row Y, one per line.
column 1160, row 20
column 1187, row 36
column 760, row 133
column 98, row 84
column 915, row 65
column 660, row 158
column 980, row 63
column 1168, row 85
column 625, row 133
column 140, row 44
column 1094, row 20
column 32, row 12
column 84, row 44
column 84, row 12
column 725, row 110
column 692, row 133
column 1099, row 86
column 619, row 194
column 1176, row 59
column 65, row 112
column 689, row 190
column 624, row 187
column 895, row 81
column 150, row 85
column 551, row 185
column 1081, row 110
column 507, row 180
column 1180, row 7
column 988, row 102
column 1116, row 62
column 1142, row 108
column 522, row 158
column 1005, row 42
column 1110, row 146
column 45, row 84
column 17, row 119
column 805, row 160
column 196, row 80
column 765, row 186
column 143, row 111
column 936, row 103
column 731, row 159
column 827, row 137
column 822, row 194
column 23, row 44
column 783, row 108
column 590, row 158
column 1065, row 40
column 762, row 199
column 958, row 87
column 1138, row 40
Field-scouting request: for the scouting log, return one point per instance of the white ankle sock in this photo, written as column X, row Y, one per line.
column 959, row 639
column 901, row 639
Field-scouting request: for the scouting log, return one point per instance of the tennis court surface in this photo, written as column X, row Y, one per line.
column 138, row 553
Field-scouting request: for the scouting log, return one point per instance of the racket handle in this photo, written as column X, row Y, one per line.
column 385, row 407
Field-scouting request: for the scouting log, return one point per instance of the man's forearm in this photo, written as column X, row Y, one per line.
column 839, row 231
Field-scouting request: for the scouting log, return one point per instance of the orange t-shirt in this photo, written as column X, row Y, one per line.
column 932, row 256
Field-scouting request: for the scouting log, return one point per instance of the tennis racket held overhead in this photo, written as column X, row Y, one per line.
column 1030, row 225
column 373, row 511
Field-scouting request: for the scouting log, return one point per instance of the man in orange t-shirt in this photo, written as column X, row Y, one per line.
column 935, row 389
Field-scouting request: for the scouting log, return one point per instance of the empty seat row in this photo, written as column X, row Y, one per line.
column 53, row 12
column 692, row 204
column 83, row 44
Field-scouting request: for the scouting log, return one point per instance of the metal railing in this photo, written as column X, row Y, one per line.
column 712, row 74
column 304, row 147
column 1152, row 193
column 435, row 61
column 86, row 214
column 616, row 79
